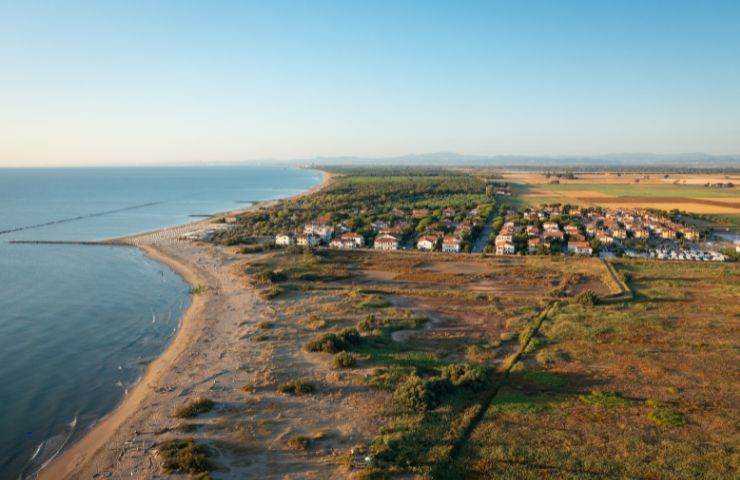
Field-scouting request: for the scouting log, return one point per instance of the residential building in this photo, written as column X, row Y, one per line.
column 451, row 244
column 427, row 242
column 284, row 239
column 580, row 248
column 385, row 242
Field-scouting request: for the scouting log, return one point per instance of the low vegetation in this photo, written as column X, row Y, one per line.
column 301, row 386
column 334, row 342
column 184, row 456
column 195, row 408
column 344, row 360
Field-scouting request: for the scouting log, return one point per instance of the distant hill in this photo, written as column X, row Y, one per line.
column 684, row 160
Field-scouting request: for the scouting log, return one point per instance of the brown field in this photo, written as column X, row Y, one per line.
column 684, row 192
column 536, row 178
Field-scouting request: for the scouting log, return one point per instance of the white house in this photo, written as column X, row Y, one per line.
column 284, row 239
column 343, row 243
column 451, row 244
column 579, row 248
column 427, row 242
column 386, row 242
column 357, row 240
column 323, row 231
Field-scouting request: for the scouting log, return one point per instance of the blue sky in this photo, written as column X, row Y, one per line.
column 185, row 81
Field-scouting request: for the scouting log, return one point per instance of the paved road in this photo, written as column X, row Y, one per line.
column 482, row 240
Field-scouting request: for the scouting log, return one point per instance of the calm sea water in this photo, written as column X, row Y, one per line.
column 78, row 324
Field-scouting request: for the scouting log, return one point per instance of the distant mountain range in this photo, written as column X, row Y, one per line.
column 685, row 160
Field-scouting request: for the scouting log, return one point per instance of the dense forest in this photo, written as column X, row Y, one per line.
column 357, row 197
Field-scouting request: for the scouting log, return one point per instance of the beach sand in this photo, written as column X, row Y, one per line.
column 208, row 357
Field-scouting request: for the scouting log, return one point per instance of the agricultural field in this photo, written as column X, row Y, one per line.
column 686, row 192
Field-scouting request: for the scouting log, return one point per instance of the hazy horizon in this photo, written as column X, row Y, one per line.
column 102, row 83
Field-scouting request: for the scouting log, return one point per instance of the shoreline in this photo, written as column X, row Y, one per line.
column 80, row 453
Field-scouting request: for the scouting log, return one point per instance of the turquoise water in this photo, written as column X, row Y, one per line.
column 78, row 324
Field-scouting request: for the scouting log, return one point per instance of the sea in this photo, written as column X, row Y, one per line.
column 80, row 323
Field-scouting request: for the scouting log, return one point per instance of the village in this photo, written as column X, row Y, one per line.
column 543, row 230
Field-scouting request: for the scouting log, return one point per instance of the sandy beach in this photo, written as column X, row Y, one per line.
column 208, row 357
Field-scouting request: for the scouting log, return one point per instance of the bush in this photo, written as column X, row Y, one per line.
column 272, row 292
column 372, row 323
column 183, row 456
column 344, row 360
column 196, row 407
column 334, row 342
column 267, row 277
column 464, row 375
column 299, row 443
column 414, row 394
column 664, row 417
column 387, row 379
column 589, row 298
column 597, row 398
column 302, row 386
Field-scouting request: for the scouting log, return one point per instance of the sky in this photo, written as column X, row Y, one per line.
column 160, row 82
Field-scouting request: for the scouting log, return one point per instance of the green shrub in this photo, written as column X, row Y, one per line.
column 371, row 323
column 183, row 456
column 388, row 379
column 302, row 386
column 195, row 407
column 413, row 394
column 589, row 298
column 665, row 417
column 597, row 398
column 344, row 360
column 464, row 375
column 334, row 342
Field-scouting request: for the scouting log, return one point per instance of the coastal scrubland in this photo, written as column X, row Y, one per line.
column 423, row 341
column 473, row 366
column 363, row 364
column 497, row 368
